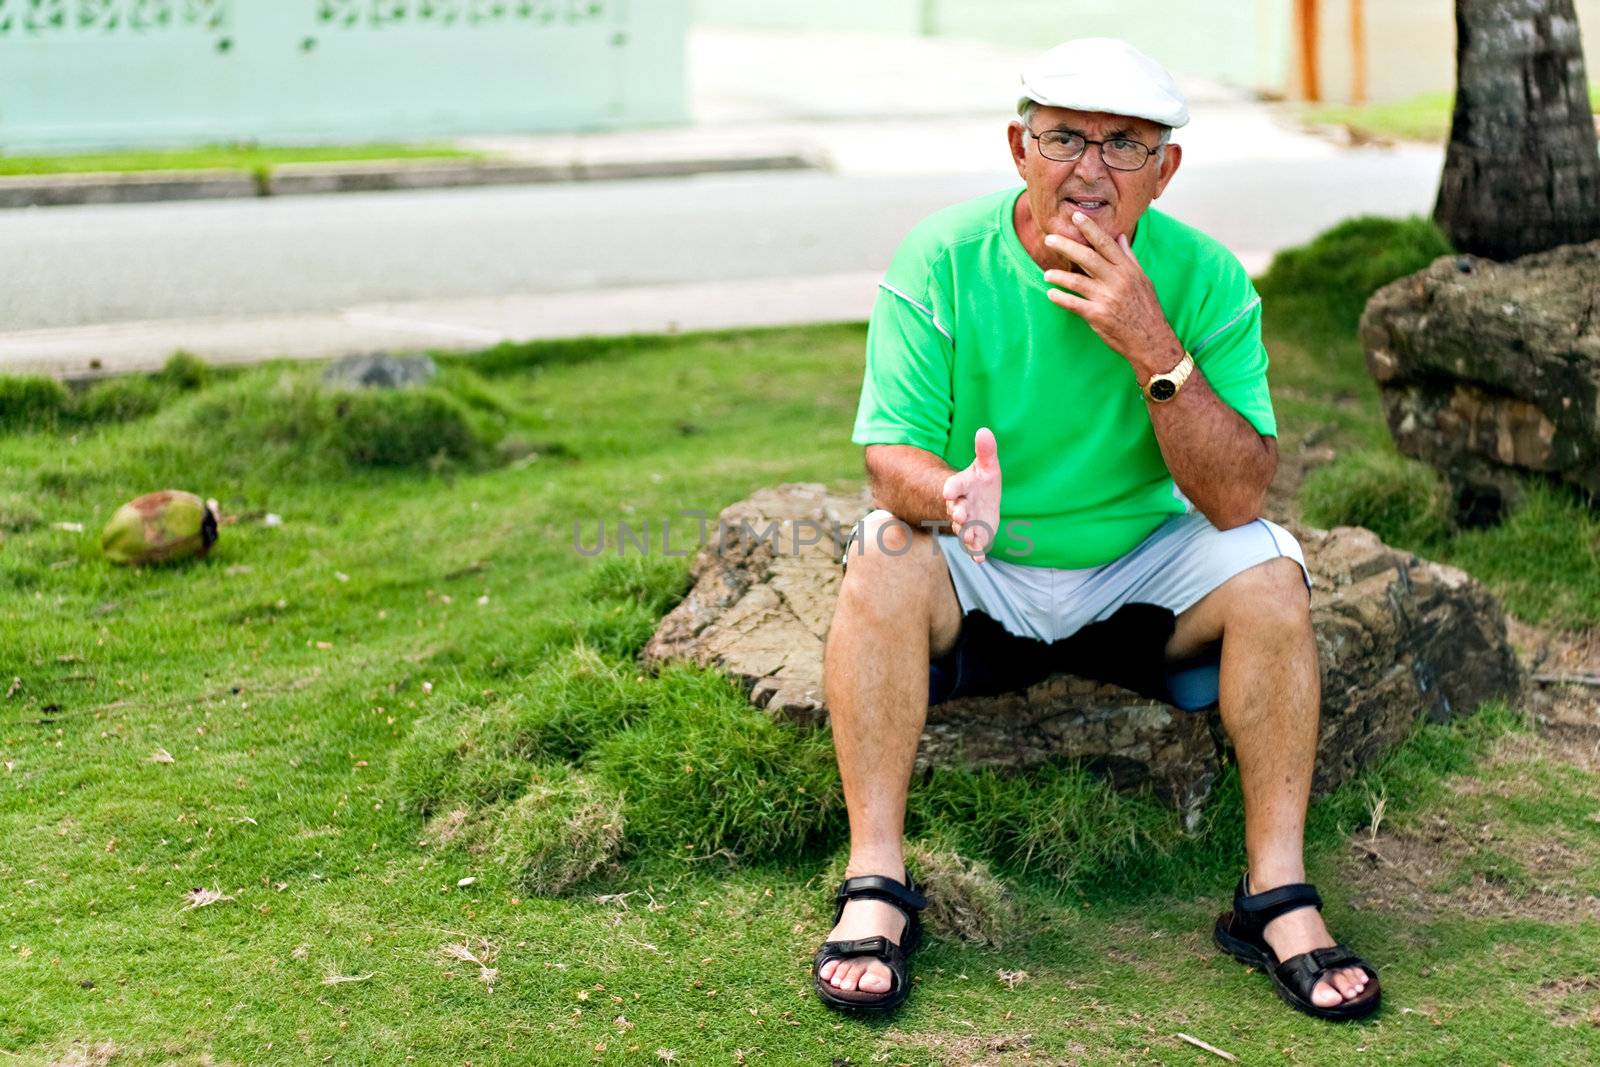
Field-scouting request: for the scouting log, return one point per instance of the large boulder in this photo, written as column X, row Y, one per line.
column 1400, row 638
column 1489, row 368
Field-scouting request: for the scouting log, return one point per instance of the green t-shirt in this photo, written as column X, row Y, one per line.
column 963, row 336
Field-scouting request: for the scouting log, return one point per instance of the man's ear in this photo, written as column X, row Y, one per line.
column 1171, row 160
column 1019, row 149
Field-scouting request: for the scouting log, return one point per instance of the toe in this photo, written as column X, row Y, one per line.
column 1325, row 995
column 1350, row 982
column 876, row 980
column 825, row 972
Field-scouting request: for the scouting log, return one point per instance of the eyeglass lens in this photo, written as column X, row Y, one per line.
column 1118, row 153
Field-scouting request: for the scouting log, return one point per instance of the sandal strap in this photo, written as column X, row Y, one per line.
column 1267, row 905
column 1303, row 972
column 880, row 948
column 862, row 946
column 878, row 887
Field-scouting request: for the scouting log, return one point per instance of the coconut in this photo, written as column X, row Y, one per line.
column 159, row 528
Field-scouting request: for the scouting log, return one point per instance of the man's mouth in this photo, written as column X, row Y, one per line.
column 1088, row 204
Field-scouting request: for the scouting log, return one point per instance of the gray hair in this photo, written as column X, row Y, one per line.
column 1032, row 108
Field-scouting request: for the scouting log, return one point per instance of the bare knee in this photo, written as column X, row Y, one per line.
column 1273, row 594
column 891, row 566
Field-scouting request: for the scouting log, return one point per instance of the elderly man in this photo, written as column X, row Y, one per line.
column 1108, row 360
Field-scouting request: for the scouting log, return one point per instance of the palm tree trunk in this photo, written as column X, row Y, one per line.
column 1523, row 171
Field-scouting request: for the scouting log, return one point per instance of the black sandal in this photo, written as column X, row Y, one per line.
column 1238, row 933
column 909, row 901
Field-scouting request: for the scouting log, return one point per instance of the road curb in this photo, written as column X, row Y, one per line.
column 312, row 179
column 61, row 190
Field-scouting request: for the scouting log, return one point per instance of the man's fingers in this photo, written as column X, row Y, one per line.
column 955, row 487
column 958, row 513
column 1088, row 259
column 986, row 451
column 972, row 539
column 1097, row 237
column 1082, row 284
column 1075, row 304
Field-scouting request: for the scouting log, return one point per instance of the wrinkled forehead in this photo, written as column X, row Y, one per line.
column 1095, row 124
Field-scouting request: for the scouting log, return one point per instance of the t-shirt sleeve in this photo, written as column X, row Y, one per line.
column 1234, row 360
column 907, row 394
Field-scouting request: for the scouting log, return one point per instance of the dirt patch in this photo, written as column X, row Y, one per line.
column 1462, row 859
column 1555, row 652
column 977, row 1050
column 1564, row 737
column 1419, row 872
column 87, row 1054
column 1570, row 1001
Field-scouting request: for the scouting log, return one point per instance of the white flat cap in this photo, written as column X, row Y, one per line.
column 1104, row 74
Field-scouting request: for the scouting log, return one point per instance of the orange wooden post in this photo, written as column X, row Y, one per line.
column 1358, row 52
column 1305, row 17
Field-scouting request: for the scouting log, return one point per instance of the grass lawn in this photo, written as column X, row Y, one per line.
column 408, row 679
column 252, row 158
column 1419, row 118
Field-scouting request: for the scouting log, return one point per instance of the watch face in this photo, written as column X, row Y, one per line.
column 1162, row 389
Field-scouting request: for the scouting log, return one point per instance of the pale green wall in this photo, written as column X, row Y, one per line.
column 89, row 73
column 886, row 16
column 1241, row 42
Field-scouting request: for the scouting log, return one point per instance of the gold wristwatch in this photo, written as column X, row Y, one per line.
column 1163, row 387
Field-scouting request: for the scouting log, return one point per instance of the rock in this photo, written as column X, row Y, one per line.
column 1400, row 638
column 1491, row 368
column 380, row 370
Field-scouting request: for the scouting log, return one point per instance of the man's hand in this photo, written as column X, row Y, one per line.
column 972, row 497
column 1115, row 297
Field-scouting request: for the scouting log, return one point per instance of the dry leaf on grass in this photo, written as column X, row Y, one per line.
column 1011, row 979
column 201, row 897
column 341, row 979
column 160, row 755
column 479, row 951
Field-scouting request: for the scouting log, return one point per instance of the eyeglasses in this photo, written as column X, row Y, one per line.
column 1119, row 153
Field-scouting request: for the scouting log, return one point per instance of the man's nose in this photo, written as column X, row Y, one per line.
column 1091, row 168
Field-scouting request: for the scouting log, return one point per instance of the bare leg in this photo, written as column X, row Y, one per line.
column 896, row 609
column 1271, row 700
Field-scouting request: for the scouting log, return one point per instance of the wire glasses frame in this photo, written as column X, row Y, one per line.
column 1118, row 153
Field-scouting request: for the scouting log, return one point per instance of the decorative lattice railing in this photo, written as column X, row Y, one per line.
column 63, row 17
column 126, row 72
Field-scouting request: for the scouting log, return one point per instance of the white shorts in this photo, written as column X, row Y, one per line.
column 1112, row 622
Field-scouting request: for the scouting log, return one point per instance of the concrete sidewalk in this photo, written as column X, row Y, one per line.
column 449, row 325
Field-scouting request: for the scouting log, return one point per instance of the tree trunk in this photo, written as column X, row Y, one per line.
column 1523, row 170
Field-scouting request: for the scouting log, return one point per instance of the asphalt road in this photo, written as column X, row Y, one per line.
column 82, row 266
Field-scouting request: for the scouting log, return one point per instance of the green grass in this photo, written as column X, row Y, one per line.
column 408, row 717
column 1425, row 117
column 255, row 159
